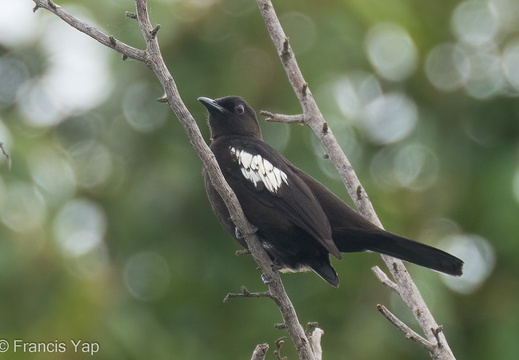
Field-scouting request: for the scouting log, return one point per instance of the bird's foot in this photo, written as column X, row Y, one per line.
column 239, row 235
column 265, row 279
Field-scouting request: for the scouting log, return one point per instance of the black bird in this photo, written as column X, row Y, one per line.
column 299, row 221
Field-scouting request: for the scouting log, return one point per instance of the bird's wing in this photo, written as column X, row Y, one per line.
column 268, row 177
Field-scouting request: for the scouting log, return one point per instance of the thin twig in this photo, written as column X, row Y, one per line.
column 400, row 325
column 437, row 331
column 242, row 252
column 91, row 31
column 6, row 154
column 246, row 293
column 279, row 346
column 384, row 279
column 131, row 15
column 260, row 352
column 287, row 119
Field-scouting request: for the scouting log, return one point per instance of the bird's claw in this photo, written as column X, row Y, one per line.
column 239, row 235
column 265, row 279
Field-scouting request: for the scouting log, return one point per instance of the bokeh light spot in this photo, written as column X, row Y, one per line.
column 23, row 208
column 52, row 171
column 390, row 118
column 391, row 51
column 507, row 12
column 141, row 109
column 37, row 105
column 479, row 257
column 416, row 167
column 300, row 29
column 13, row 72
column 79, row 227
column 76, row 79
column 93, row 163
column 413, row 166
column 18, row 24
column 486, row 77
column 510, row 63
column 475, row 22
column 354, row 92
column 147, row 275
column 447, row 67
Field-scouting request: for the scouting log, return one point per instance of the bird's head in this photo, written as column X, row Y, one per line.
column 231, row 115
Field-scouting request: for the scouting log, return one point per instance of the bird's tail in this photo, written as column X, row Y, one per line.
column 399, row 247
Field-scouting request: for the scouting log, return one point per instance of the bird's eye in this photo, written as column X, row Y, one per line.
column 240, row 109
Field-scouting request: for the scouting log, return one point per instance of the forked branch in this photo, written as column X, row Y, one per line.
column 152, row 57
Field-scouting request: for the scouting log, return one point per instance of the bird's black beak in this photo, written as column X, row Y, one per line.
column 211, row 104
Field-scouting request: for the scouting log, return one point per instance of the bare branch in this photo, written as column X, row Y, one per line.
column 315, row 343
column 246, row 293
column 91, row 31
column 287, row 119
column 400, row 325
column 437, row 331
column 152, row 57
column 260, row 352
column 413, row 299
column 6, row 154
column 279, row 346
column 315, row 120
column 242, row 252
column 131, row 15
column 384, row 279
column 155, row 31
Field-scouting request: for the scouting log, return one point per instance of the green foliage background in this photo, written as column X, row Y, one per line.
column 105, row 232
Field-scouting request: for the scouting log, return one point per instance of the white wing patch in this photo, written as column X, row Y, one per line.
column 259, row 170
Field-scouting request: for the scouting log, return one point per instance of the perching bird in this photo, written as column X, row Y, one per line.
column 298, row 220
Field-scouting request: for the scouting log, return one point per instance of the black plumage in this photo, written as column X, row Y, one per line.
column 299, row 221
